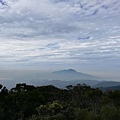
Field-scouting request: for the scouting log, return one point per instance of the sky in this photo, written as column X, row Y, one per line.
column 61, row 34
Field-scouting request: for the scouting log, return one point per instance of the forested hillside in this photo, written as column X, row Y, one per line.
column 81, row 102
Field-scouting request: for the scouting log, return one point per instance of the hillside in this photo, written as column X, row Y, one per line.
column 107, row 84
column 80, row 102
column 71, row 74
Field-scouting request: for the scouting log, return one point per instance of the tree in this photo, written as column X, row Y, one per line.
column 110, row 113
column 1, row 86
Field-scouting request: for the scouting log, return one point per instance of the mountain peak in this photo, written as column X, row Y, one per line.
column 72, row 70
column 66, row 71
column 71, row 74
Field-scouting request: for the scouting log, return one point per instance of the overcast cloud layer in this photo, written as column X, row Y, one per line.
column 82, row 34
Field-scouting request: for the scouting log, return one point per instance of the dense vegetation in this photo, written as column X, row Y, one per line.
column 80, row 102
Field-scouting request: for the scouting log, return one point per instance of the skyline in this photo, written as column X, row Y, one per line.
column 61, row 34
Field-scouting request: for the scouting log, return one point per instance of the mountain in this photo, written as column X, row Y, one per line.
column 107, row 84
column 62, row 83
column 72, row 74
column 113, row 88
column 59, row 79
column 66, row 71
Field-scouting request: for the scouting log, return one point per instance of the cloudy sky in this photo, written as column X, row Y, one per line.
column 58, row 34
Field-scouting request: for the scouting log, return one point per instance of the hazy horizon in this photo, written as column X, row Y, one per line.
column 30, row 74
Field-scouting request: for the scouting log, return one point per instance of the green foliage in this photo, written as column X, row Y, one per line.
column 55, row 107
column 110, row 113
column 84, row 114
column 34, row 117
column 1, row 86
column 80, row 102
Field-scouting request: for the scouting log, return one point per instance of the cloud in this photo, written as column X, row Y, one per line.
column 48, row 51
column 34, row 32
column 28, row 18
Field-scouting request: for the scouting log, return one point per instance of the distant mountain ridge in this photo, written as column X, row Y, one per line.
column 107, row 84
column 71, row 74
column 113, row 88
column 60, row 79
column 66, row 71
